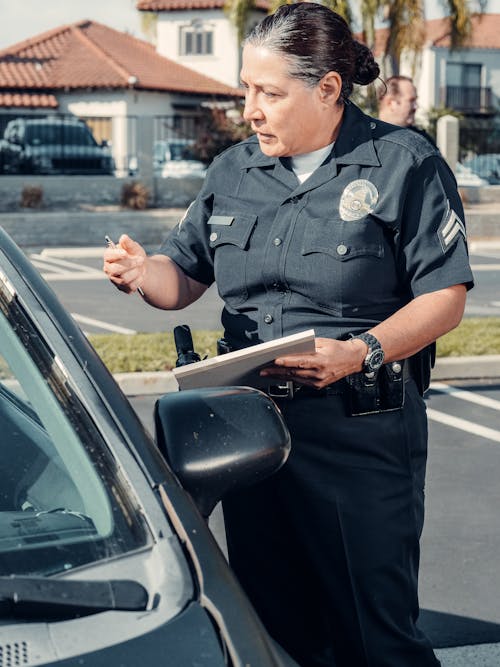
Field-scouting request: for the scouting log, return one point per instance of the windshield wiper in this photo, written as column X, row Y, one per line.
column 39, row 595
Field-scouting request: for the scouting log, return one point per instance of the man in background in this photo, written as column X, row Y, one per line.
column 398, row 104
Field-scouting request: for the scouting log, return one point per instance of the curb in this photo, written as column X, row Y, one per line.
column 143, row 384
column 446, row 368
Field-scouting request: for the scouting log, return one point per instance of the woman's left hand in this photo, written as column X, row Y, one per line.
column 333, row 360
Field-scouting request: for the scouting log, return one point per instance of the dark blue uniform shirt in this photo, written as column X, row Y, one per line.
column 377, row 224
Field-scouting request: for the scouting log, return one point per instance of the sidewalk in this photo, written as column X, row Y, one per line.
column 446, row 369
column 34, row 228
column 86, row 227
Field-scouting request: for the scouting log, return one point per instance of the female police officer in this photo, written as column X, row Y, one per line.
column 326, row 219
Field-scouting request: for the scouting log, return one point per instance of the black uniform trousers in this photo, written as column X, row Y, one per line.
column 327, row 549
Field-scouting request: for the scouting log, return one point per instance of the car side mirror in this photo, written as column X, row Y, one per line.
column 219, row 439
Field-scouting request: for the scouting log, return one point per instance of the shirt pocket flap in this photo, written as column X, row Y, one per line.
column 237, row 233
column 343, row 240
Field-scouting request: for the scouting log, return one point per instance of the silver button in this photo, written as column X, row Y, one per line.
column 268, row 318
column 277, row 241
column 373, row 125
column 396, row 367
column 213, row 236
column 342, row 249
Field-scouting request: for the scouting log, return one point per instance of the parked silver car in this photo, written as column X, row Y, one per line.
column 486, row 166
column 173, row 158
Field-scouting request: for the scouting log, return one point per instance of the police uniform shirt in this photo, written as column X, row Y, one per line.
column 378, row 223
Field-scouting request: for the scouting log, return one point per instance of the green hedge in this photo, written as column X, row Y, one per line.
column 156, row 352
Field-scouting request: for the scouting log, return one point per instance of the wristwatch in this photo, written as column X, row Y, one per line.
column 375, row 355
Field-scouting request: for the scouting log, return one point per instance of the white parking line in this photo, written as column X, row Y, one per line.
column 56, row 262
column 74, row 252
column 464, row 425
column 465, row 395
column 485, row 267
column 53, row 268
column 46, row 266
column 102, row 325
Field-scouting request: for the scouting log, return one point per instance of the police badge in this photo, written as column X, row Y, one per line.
column 358, row 200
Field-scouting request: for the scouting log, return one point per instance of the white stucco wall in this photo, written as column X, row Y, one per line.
column 222, row 65
column 425, row 81
column 225, row 62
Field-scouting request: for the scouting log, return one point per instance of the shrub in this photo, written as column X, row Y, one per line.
column 135, row 195
column 32, row 196
column 218, row 132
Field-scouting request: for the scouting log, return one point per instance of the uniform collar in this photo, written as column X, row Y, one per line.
column 354, row 145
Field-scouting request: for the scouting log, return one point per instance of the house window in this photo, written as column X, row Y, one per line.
column 196, row 40
column 463, row 74
column 463, row 86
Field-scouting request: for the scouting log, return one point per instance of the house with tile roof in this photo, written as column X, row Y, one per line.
column 101, row 74
column 199, row 35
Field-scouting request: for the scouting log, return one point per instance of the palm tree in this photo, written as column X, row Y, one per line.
column 406, row 27
column 405, row 21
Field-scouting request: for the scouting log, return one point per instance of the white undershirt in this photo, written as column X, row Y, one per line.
column 304, row 165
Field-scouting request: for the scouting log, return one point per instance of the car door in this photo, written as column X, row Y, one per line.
column 104, row 557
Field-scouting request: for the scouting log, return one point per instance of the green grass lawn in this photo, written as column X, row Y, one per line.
column 156, row 352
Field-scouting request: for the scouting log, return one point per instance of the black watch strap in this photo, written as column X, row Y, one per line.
column 375, row 355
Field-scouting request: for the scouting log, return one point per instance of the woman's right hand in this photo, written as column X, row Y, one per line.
column 125, row 264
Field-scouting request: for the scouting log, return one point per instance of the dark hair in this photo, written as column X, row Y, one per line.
column 316, row 40
column 391, row 86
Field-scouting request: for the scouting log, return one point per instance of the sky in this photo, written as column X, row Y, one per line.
column 22, row 19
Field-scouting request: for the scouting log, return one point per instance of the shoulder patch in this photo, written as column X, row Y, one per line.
column 450, row 228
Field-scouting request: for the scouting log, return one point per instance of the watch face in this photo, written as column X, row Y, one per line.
column 375, row 359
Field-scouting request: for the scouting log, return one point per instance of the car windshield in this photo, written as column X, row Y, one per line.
column 173, row 150
column 64, row 501
column 46, row 133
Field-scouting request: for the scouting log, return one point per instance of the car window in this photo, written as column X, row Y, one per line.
column 63, row 499
column 50, row 134
column 181, row 151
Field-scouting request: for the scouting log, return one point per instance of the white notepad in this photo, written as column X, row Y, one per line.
column 242, row 366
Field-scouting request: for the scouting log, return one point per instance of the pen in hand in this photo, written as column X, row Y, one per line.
column 111, row 244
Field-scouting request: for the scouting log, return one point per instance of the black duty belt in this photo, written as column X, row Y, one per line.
column 292, row 390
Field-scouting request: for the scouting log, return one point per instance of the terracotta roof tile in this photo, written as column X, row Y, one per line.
column 88, row 54
column 28, row 100
column 485, row 33
column 174, row 5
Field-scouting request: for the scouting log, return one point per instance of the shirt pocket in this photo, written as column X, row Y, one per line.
column 230, row 245
column 342, row 262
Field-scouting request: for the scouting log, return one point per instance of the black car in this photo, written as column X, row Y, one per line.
column 52, row 145
column 106, row 558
